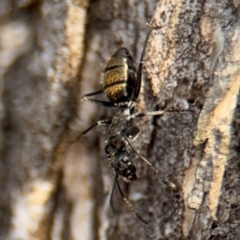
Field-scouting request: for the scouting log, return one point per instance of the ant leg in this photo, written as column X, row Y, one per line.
column 144, row 114
column 98, row 123
column 127, row 201
column 93, row 94
column 155, row 113
column 106, row 150
column 100, row 102
column 140, row 67
column 141, row 156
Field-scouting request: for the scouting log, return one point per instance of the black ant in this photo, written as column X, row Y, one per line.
column 121, row 85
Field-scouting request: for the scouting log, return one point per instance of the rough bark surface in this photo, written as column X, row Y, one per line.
column 41, row 47
column 53, row 187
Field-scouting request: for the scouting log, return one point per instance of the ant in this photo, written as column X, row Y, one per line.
column 121, row 85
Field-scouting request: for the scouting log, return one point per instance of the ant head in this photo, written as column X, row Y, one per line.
column 123, row 165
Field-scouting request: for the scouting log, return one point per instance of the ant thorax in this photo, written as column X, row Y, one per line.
column 127, row 113
column 127, row 109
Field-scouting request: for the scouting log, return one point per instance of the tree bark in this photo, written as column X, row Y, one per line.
column 54, row 187
column 41, row 47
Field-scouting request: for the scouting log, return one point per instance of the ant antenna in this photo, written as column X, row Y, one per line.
column 113, row 189
column 130, row 206
column 141, row 156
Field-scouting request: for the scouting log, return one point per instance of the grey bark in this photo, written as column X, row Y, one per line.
column 41, row 48
column 53, row 187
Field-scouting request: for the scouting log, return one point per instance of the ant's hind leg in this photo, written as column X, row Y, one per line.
column 92, row 94
column 100, row 102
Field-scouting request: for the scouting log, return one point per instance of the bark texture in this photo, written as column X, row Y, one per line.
column 53, row 52
column 41, row 47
